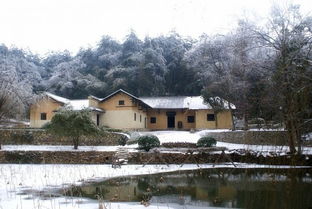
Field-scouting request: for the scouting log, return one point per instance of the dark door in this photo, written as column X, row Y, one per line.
column 171, row 121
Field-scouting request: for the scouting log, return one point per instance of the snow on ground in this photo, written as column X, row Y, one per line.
column 179, row 136
column 164, row 137
column 17, row 181
column 186, row 136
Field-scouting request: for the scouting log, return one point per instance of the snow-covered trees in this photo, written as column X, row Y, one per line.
column 265, row 72
column 18, row 75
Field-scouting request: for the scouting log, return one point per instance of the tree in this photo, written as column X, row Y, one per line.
column 289, row 35
column 72, row 125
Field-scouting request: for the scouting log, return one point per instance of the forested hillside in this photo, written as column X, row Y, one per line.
column 264, row 70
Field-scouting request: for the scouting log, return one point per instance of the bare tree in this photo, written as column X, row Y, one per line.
column 289, row 35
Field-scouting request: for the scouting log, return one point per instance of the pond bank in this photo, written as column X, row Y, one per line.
column 105, row 157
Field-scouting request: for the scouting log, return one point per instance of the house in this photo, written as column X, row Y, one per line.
column 123, row 110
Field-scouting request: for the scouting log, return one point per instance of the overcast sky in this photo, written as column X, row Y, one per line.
column 55, row 25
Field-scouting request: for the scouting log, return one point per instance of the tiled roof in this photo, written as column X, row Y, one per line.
column 176, row 102
column 170, row 102
column 74, row 104
column 180, row 102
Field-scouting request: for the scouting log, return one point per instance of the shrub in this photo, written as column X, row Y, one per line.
column 148, row 142
column 122, row 140
column 206, row 141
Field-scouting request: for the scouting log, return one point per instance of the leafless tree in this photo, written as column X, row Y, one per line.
column 289, row 36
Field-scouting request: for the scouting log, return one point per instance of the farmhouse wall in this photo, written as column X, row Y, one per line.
column 46, row 105
column 128, row 115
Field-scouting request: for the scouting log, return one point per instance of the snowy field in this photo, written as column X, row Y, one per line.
column 20, row 184
column 164, row 137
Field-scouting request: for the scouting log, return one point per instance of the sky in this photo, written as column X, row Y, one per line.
column 42, row 26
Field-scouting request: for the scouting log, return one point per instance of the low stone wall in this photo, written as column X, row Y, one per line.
column 41, row 137
column 252, row 137
column 95, row 157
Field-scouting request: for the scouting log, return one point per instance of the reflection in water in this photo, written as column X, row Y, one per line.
column 229, row 188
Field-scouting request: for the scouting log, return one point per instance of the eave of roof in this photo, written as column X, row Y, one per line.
column 96, row 98
column 57, row 98
column 123, row 91
column 118, row 91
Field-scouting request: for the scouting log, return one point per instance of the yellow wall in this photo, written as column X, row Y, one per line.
column 93, row 102
column 112, row 103
column 46, row 105
column 162, row 122
column 122, row 116
column 224, row 120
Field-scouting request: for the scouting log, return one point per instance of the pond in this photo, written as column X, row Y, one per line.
column 224, row 188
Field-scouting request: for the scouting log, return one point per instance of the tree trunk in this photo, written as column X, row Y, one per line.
column 76, row 142
column 245, row 122
column 298, row 138
column 232, row 117
column 291, row 140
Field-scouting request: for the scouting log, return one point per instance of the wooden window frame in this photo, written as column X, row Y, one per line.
column 43, row 116
column 153, row 120
column 209, row 117
column 191, row 119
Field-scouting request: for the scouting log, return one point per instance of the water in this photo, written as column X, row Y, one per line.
column 225, row 188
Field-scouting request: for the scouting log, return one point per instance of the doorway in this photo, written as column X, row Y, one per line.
column 171, row 119
column 97, row 119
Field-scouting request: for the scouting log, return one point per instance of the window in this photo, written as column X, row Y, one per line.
column 121, row 102
column 153, row 119
column 134, row 116
column 210, row 117
column 190, row 119
column 43, row 116
column 140, row 118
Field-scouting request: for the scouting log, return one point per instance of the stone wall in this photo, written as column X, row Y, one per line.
column 95, row 157
column 41, row 137
column 252, row 137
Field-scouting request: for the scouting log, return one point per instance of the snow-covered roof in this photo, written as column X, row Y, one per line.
column 57, row 98
column 180, row 102
column 197, row 103
column 78, row 104
column 82, row 104
column 165, row 102
column 170, row 102
column 96, row 98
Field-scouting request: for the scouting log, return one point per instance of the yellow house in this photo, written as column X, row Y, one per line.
column 123, row 110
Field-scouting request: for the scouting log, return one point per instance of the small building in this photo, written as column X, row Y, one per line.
column 123, row 110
